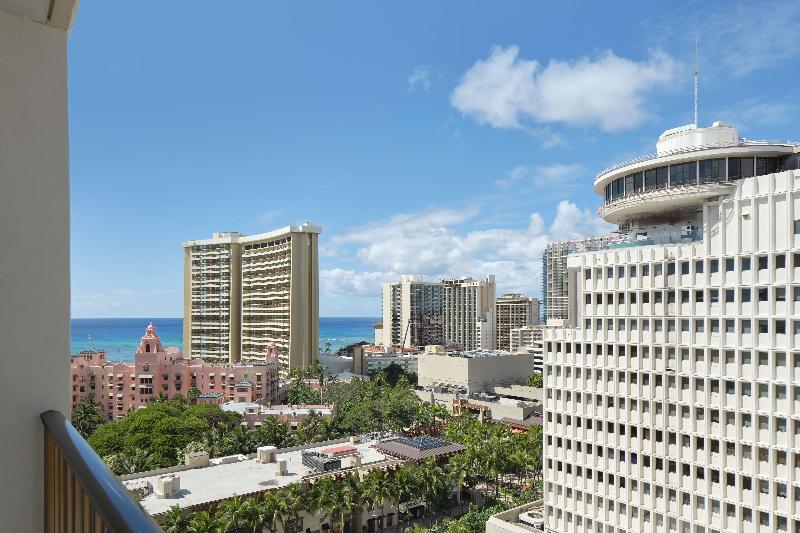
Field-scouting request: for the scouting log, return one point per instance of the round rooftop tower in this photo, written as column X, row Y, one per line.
column 690, row 165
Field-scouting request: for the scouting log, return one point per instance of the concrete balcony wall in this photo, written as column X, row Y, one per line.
column 34, row 245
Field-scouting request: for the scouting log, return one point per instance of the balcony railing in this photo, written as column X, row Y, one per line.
column 81, row 493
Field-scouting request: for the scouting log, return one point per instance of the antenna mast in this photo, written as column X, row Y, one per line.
column 696, row 75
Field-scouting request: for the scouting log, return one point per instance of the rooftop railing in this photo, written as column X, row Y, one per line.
column 647, row 157
column 81, row 493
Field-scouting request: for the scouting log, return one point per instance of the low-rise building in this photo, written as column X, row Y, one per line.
column 203, row 483
column 472, row 371
column 526, row 336
column 254, row 414
column 371, row 358
column 119, row 387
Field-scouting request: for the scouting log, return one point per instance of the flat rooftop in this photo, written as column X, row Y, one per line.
column 242, row 476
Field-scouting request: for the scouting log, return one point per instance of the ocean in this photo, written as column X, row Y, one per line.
column 120, row 336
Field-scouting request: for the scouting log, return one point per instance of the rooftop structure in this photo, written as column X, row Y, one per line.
column 690, row 166
column 525, row 518
column 253, row 296
column 417, row 449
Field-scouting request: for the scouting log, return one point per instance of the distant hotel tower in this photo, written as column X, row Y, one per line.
column 245, row 295
column 672, row 392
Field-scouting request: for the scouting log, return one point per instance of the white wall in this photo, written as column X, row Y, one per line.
column 34, row 248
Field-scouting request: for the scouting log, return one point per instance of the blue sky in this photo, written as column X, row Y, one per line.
column 447, row 138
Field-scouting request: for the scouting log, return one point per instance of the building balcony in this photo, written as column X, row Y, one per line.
column 665, row 199
column 80, row 492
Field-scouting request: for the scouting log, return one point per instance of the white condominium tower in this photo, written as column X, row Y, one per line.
column 554, row 272
column 513, row 311
column 412, row 312
column 250, row 296
column 672, row 397
column 469, row 313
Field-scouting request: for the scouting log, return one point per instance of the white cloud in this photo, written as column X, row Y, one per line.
column 507, row 91
column 557, row 175
column 436, row 244
column 571, row 222
column 420, row 78
column 341, row 282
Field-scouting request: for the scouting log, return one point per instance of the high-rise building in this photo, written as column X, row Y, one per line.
column 412, row 312
column 671, row 396
column 513, row 311
column 469, row 307
column 212, row 297
column 248, row 296
column 554, row 272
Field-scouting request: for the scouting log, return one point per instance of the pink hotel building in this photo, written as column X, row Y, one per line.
column 119, row 387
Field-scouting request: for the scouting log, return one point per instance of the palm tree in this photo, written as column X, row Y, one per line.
column 435, row 485
column 231, row 516
column 87, row 417
column 252, row 520
column 328, row 499
column 201, row 522
column 175, row 521
column 401, row 488
column 351, row 497
column 271, row 510
column 292, row 501
column 375, row 490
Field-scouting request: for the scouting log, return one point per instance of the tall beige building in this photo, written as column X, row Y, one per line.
column 412, row 312
column 249, row 296
column 469, row 312
column 513, row 311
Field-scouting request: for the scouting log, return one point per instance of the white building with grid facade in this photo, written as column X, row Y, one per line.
column 672, row 399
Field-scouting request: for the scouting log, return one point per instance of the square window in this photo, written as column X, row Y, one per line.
column 745, row 295
column 745, row 264
column 729, row 265
column 698, row 267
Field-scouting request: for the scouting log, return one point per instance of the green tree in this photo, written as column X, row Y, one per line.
column 435, row 486
column 162, row 429
column 402, row 488
column 192, row 395
column 201, row 522
column 129, row 462
column 175, row 521
column 232, row 515
column 535, row 380
column 272, row 509
column 87, row 417
column 375, row 490
column 328, row 495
